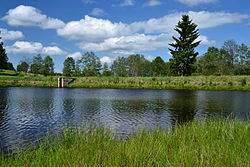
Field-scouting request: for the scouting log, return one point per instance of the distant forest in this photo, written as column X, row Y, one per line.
column 231, row 59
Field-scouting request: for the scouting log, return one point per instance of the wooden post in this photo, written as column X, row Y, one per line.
column 59, row 82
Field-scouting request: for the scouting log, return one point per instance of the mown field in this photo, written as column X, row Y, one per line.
column 191, row 82
column 210, row 143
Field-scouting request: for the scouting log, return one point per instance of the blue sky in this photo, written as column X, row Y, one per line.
column 112, row 28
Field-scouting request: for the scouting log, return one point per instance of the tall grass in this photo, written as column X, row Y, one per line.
column 192, row 82
column 210, row 143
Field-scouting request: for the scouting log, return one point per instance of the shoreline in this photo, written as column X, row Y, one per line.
column 216, row 83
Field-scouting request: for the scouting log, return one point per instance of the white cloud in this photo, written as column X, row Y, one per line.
column 24, row 47
column 75, row 55
column 150, row 58
column 30, row 16
column 92, row 29
column 102, row 35
column 206, row 19
column 137, row 43
column 98, row 12
column 105, row 59
column 196, row 2
column 153, row 3
column 203, row 19
column 53, row 50
column 204, row 40
column 10, row 35
column 128, row 3
column 129, row 44
column 95, row 30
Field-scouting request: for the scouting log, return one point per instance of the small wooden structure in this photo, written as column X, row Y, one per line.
column 63, row 82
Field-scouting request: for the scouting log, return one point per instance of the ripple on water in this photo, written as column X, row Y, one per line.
column 27, row 114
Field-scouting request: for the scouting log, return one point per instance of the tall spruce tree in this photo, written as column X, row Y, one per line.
column 184, row 55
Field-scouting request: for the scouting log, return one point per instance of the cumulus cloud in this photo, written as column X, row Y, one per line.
column 153, row 3
column 105, row 59
column 98, row 12
column 10, row 35
column 24, row 47
column 128, row 3
column 53, row 50
column 92, row 29
column 103, row 35
column 206, row 19
column 30, row 16
column 203, row 19
column 75, row 55
column 134, row 44
column 129, row 44
column 196, row 2
column 204, row 40
column 95, row 30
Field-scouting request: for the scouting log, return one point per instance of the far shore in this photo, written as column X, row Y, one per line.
column 236, row 83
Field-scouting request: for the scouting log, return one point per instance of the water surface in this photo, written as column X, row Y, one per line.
column 27, row 114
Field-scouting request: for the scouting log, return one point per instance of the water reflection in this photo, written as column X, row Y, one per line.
column 182, row 106
column 27, row 114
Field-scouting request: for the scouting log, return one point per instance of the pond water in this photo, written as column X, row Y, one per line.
column 27, row 114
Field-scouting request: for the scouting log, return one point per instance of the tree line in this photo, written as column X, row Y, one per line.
column 133, row 66
column 230, row 59
column 37, row 65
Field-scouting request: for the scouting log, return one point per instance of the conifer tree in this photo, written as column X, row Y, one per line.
column 184, row 55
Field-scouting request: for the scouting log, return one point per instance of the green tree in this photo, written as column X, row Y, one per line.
column 243, row 53
column 91, row 64
column 77, row 72
column 36, row 65
column 47, row 66
column 120, row 67
column 3, row 57
column 158, row 67
column 225, row 62
column 137, row 65
column 10, row 66
column 243, row 66
column 69, row 67
column 231, row 47
column 184, row 55
column 23, row 67
column 209, row 63
column 105, row 70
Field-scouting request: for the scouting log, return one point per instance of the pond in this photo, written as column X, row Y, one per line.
column 28, row 114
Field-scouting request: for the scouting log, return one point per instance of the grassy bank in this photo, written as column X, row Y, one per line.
column 192, row 82
column 212, row 143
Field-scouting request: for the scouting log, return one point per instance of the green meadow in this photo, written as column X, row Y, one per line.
column 210, row 143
